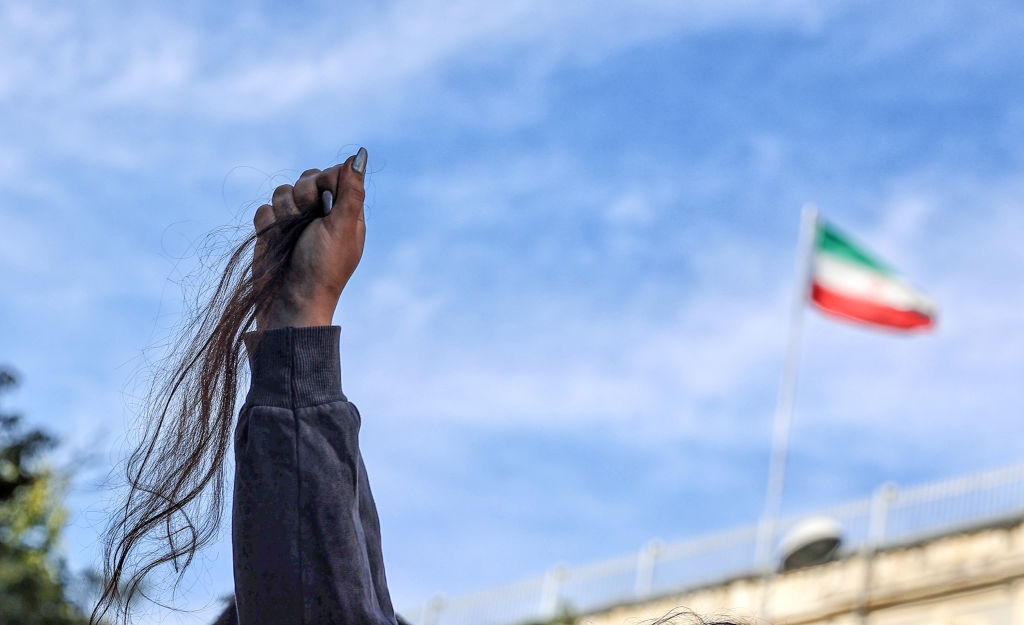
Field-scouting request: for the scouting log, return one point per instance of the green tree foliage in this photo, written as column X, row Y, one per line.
column 33, row 577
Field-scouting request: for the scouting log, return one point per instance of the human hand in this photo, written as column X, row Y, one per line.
column 327, row 251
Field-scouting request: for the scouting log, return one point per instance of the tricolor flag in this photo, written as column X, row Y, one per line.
column 850, row 282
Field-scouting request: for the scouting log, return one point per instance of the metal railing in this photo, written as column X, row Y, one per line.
column 891, row 516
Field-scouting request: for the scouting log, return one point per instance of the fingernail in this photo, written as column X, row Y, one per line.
column 359, row 164
column 328, row 201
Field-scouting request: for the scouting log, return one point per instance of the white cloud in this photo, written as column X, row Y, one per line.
column 142, row 58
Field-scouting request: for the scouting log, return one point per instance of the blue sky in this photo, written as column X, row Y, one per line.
column 567, row 330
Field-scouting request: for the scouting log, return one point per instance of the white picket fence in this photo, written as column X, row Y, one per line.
column 891, row 516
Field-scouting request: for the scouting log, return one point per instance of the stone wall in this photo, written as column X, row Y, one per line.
column 969, row 578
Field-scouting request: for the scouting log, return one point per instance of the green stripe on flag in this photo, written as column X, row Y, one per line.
column 831, row 241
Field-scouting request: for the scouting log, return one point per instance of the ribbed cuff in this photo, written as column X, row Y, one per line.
column 295, row 367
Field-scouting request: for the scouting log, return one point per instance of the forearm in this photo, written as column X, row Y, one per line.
column 304, row 529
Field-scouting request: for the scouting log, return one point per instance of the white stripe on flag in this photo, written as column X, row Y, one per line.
column 861, row 282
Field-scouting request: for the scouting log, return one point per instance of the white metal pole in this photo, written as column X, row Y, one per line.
column 784, row 406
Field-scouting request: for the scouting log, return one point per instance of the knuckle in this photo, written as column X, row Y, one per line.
column 309, row 172
column 328, row 178
column 356, row 195
column 282, row 191
column 305, row 197
column 264, row 216
column 305, row 191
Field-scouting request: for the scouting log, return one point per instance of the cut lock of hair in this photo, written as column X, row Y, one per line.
column 174, row 487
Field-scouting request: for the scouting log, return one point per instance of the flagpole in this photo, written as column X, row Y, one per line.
column 784, row 407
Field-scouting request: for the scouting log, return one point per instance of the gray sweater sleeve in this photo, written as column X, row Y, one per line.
column 305, row 534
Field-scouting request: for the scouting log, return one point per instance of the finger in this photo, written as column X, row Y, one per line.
column 327, row 187
column 284, row 202
column 263, row 220
column 305, row 192
column 345, row 181
column 327, row 180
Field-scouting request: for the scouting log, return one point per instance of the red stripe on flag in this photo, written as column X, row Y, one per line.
column 868, row 312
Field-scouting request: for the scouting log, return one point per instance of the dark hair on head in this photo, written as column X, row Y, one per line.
column 175, row 476
column 676, row 616
column 685, row 616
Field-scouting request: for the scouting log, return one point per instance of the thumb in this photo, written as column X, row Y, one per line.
column 344, row 185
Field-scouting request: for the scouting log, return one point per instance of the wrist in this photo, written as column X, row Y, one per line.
column 309, row 314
